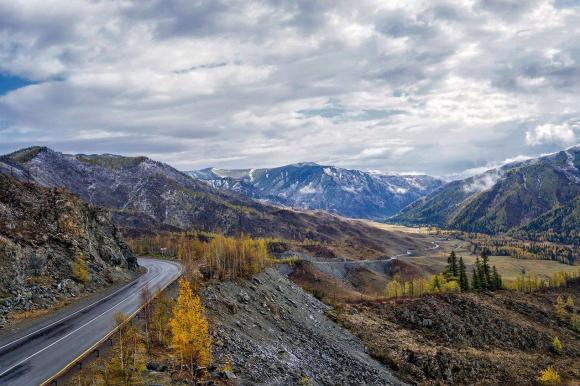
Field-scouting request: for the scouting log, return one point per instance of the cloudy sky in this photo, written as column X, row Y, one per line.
column 424, row 86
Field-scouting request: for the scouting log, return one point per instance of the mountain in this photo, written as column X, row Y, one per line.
column 350, row 193
column 501, row 199
column 149, row 196
column 42, row 232
column 561, row 225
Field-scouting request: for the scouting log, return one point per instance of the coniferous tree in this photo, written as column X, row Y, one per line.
column 485, row 272
column 475, row 283
column 496, row 279
column 463, row 280
column 452, row 269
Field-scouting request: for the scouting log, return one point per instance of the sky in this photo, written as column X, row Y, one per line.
column 440, row 87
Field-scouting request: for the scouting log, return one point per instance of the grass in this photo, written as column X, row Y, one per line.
column 508, row 267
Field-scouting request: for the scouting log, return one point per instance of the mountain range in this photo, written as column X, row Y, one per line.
column 536, row 195
column 150, row 196
column 350, row 193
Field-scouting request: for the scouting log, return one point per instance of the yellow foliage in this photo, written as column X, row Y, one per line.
column 190, row 331
column 417, row 287
column 128, row 356
column 549, row 377
column 160, row 313
column 79, row 269
column 230, row 257
column 557, row 345
column 530, row 283
column 560, row 307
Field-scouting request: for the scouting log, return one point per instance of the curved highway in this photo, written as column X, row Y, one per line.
column 32, row 356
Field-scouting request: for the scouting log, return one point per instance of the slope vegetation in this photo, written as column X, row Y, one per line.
column 501, row 199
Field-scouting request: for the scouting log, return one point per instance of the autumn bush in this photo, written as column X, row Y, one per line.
column 79, row 269
column 557, row 345
column 549, row 377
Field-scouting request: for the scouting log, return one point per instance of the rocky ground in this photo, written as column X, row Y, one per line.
column 275, row 333
column 42, row 230
column 492, row 338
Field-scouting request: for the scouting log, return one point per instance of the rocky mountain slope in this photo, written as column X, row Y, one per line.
column 501, row 199
column 150, row 196
column 274, row 333
column 494, row 338
column 42, row 232
column 350, row 193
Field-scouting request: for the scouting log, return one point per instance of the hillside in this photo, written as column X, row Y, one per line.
column 350, row 193
column 502, row 337
column 42, row 232
column 149, row 196
column 501, row 199
column 559, row 225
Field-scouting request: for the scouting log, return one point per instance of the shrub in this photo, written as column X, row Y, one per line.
column 557, row 345
column 79, row 269
column 549, row 377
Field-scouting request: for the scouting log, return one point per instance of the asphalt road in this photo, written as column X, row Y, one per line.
column 32, row 356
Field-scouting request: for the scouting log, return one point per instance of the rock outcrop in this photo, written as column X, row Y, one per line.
column 42, row 232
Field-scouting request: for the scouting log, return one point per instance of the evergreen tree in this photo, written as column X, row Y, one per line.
column 463, row 280
column 452, row 269
column 495, row 279
column 485, row 272
column 475, row 283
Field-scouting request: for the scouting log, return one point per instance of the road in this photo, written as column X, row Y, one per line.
column 339, row 269
column 32, row 356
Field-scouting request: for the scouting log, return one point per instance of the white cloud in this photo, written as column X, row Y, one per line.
column 436, row 87
column 550, row 133
column 483, row 182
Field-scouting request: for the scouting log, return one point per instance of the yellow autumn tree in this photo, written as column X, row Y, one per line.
column 190, row 331
column 128, row 355
column 79, row 268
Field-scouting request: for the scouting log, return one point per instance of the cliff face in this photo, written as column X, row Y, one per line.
column 42, row 232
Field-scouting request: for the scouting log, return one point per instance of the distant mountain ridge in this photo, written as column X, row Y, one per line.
column 150, row 196
column 503, row 199
column 307, row 185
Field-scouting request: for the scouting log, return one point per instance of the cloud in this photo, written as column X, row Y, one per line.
column 438, row 87
column 483, row 182
column 550, row 133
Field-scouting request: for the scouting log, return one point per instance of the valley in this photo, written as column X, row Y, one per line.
column 293, row 295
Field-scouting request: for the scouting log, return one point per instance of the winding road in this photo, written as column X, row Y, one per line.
column 32, row 356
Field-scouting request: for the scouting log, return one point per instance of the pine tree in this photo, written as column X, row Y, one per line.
column 463, row 280
column 190, row 331
column 485, row 272
column 452, row 270
column 475, row 283
column 496, row 279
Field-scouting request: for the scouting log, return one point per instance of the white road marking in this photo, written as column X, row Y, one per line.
column 79, row 328
column 68, row 316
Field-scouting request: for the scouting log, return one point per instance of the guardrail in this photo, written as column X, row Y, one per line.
column 53, row 380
